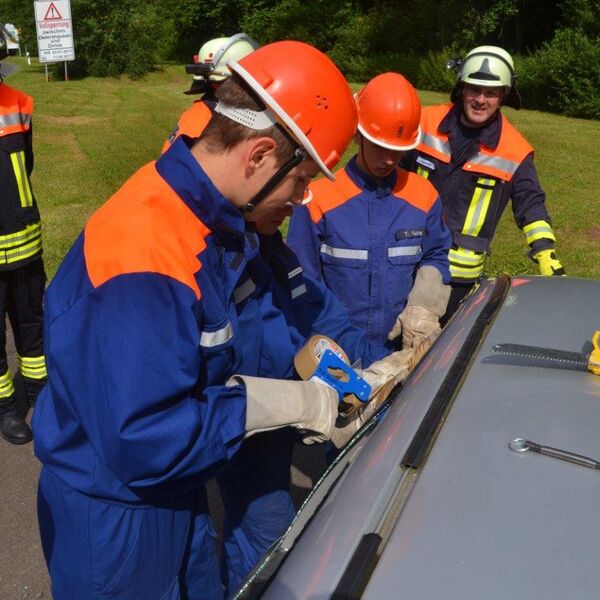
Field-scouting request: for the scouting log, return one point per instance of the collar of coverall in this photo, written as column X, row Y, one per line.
column 367, row 181
column 258, row 120
column 185, row 176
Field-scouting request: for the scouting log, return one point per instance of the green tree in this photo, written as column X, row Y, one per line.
column 113, row 39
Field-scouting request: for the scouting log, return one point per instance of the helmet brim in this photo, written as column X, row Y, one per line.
column 395, row 147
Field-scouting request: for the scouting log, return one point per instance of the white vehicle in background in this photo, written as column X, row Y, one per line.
column 11, row 34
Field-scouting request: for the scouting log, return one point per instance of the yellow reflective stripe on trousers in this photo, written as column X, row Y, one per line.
column 6, row 385
column 478, row 209
column 465, row 264
column 18, row 164
column 33, row 367
column 423, row 172
column 19, row 238
column 16, row 254
column 538, row 230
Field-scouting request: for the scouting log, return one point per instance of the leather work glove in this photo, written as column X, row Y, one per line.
column 425, row 306
column 382, row 376
column 310, row 407
column 548, row 263
column 417, row 324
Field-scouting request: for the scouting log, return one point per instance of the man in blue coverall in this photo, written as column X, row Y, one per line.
column 375, row 235
column 170, row 341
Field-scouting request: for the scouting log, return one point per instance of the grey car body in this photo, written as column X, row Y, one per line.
column 428, row 501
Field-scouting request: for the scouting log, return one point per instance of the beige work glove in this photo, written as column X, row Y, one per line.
column 382, row 376
column 425, row 306
column 308, row 406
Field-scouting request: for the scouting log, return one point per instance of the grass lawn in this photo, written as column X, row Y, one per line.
column 90, row 135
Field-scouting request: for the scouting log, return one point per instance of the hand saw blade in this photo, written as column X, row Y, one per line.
column 536, row 356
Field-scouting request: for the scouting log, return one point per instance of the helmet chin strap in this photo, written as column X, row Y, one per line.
column 298, row 156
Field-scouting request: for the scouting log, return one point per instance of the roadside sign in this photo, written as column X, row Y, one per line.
column 54, row 30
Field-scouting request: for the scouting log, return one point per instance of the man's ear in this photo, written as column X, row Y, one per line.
column 260, row 149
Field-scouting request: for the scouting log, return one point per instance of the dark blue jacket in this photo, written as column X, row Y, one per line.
column 476, row 172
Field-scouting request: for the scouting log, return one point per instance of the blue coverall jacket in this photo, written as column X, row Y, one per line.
column 161, row 299
column 366, row 242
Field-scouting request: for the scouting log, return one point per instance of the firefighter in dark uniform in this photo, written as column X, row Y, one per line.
column 22, row 276
column 478, row 161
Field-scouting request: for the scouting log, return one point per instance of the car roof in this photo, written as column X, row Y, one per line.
column 432, row 502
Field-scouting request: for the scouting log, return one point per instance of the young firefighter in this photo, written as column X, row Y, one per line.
column 478, row 161
column 209, row 71
column 22, row 275
column 375, row 236
column 255, row 518
column 167, row 351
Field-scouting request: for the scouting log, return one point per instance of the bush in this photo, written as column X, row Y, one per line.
column 563, row 76
column 111, row 40
column 358, row 56
column 432, row 73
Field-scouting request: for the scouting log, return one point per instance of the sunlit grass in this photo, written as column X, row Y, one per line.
column 91, row 135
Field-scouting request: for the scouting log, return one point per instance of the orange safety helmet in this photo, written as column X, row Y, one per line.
column 305, row 93
column 389, row 112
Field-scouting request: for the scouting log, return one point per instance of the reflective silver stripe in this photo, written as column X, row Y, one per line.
column 465, row 273
column 209, row 339
column 6, row 385
column 436, row 144
column 538, row 230
column 294, row 272
column 14, row 119
column 466, row 264
column 301, row 289
column 344, row 252
column 243, row 291
column 403, row 251
column 480, row 202
column 21, row 253
column 465, row 257
column 507, row 166
column 20, row 237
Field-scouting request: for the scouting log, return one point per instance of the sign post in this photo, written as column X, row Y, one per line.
column 54, row 31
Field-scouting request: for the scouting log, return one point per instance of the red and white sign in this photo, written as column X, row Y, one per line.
column 54, row 30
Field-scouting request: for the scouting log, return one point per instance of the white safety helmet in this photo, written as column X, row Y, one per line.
column 210, row 64
column 216, row 53
column 487, row 66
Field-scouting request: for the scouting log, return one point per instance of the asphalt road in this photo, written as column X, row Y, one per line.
column 22, row 568
column 23, row 572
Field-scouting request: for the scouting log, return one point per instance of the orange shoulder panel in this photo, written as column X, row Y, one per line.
column 13, row 101
column 144, row 228
column 512, row 144
column 327, row 194
column 431, row 116
column 415, row 190
column 195, row 119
